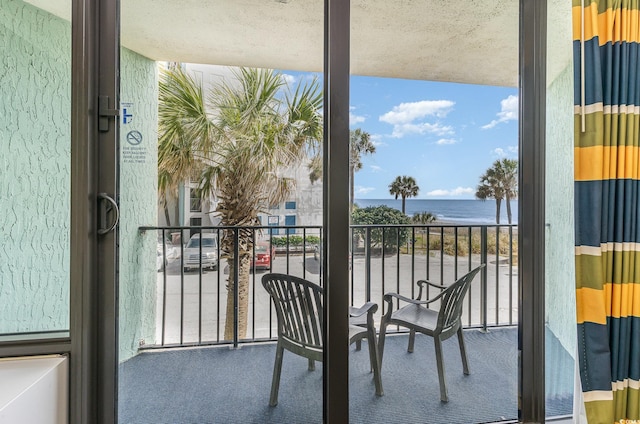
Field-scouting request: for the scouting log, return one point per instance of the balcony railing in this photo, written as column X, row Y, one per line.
column 191, row 300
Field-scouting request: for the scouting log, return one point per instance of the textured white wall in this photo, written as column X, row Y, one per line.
column 35, row 106
column 138, row 201
column 308, row 198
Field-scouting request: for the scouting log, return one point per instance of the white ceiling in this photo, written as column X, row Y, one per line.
column 466, row 41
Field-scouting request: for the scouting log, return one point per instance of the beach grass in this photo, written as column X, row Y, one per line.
column 463, row 241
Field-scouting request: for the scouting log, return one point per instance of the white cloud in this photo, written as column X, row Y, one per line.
column 353, row 118
column 499, row 151
column 401, row 130
column 376, row 140
column 508, row 112
column 407, row 118
column 363, row 190
column 289, row 80
column 458, row 191
column 444, row 141
column 375, row 168
column 408, row 112
column 509, row 151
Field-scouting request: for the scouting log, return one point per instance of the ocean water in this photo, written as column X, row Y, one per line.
column 467, row 211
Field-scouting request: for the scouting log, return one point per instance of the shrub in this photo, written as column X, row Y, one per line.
column 423, row 218
column 382, row 215
column 294, row 240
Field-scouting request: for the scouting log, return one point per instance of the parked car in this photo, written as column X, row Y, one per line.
column 265, row 254
column 209, row 252
column 170, row 253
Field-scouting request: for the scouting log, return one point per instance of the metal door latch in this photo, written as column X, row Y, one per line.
column 104, row 113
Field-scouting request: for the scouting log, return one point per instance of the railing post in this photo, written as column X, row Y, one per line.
column 483, row 278
column 236, row 278
column 367, row 264
column 164, row 288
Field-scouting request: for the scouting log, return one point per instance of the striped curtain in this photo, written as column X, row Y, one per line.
column 607, row 206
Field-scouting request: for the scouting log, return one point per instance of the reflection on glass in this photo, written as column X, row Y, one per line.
column 35, row 87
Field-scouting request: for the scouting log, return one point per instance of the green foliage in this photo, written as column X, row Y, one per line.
column 313, row 240
column 294, row 240
column 382, row 215
column 423, row 218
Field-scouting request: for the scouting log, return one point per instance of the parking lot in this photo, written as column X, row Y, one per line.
column 196, row 303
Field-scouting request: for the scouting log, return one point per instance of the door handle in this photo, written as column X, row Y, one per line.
column 107, row 204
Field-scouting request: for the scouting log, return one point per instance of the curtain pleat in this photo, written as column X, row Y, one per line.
column 607, row 184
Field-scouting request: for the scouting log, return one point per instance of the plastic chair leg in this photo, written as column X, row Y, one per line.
column 463, row 352
column 277, row 370
column 441, row 374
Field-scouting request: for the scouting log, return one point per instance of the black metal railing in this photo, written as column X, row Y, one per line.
column 192, row 306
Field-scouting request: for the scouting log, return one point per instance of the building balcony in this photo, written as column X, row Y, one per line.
column 191, row 373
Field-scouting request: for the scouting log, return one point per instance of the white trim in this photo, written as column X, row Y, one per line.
column 597, row 395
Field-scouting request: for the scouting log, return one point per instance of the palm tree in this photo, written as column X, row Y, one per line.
column 359, row 144
column 500, row 182
column 404, row 187
column 509, row 183
column 241, row 137
column 423, row 218
column 176, row 164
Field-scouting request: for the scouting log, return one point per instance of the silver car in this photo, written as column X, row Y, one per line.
column 209, row 252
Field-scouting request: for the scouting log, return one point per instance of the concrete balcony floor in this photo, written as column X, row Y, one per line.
column 222, row 385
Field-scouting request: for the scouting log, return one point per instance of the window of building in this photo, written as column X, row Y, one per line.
column 290, row 220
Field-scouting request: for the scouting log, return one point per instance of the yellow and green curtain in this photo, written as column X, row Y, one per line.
column 606, row 34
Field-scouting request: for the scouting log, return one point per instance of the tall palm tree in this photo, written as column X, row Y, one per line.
column 404, row 187
column 242, row 136
column 180, row 158
column 359, row 144
column 500, row 182
column 509, row 183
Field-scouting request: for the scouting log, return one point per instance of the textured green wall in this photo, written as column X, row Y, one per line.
column 35, row 167
column 560, row 241
column 138, row 201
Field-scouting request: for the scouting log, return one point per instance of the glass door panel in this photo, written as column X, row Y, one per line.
column 560, row 331
column 434, row 119
column 35, row 134
column 214, row 190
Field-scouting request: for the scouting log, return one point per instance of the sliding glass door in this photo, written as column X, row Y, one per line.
column 220, row 118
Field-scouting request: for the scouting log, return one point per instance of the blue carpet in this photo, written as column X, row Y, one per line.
column 220, row 385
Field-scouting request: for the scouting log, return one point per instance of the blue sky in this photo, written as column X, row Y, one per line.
column 445, row 135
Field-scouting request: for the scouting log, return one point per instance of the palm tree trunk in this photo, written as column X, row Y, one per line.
column 508, row 202
column 403, row 199
column 243, row 297
column 166, row 214
column 351, row 188
column 498, row 201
